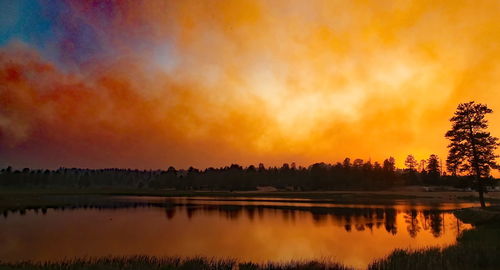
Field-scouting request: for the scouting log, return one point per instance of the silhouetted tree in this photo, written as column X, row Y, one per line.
column 389, row 164
column 421, row 166
column 411, row 170
column 433, row 169
column 367, row 167
column 358, row 163
column 319, row 176
column 262, row 167
column 453, row 161
column 251, row 168
column 347, row 163
column 472, row 148
column 411, row 163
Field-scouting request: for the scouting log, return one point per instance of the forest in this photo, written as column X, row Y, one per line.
column 346, row 175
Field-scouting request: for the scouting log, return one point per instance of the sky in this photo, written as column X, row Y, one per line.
column 149, row 84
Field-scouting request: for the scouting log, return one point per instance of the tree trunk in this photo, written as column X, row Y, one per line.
column 480, row 189
column 475, row 165
column 481, row 197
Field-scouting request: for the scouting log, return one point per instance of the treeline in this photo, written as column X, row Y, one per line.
column 349, row 174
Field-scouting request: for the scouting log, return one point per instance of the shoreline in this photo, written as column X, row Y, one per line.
column 15, row 199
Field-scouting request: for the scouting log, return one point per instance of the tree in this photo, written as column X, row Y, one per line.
column 421, row 166
column 433, row 169
column 389, row 168
column 262, row 168
column 411, row 170
column 367, row 167
column 358, row 163
column 389, row 165
column 347, row 163
column 411, row 163
column 453, row 161
column 433, row 164
column 472, row 148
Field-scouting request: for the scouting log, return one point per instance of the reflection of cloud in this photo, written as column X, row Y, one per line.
column 205, row 84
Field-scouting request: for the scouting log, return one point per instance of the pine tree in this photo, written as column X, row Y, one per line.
column 472, row 148
column 433, row 169
column 411, row 163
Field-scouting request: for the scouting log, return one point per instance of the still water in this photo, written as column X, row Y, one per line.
column 256, row 230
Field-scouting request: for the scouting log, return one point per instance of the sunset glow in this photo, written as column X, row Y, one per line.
column 148, row 84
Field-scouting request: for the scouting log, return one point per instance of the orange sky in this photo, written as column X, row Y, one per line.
column 147, row 84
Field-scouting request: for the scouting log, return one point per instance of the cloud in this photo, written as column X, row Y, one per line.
column 153, row 83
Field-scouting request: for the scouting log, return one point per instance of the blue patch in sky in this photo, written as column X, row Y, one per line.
column 50, row 27
column 23, row 20
column 69, row 41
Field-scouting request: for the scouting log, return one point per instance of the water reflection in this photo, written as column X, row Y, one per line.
column 359, row 219
column 259, row 231
column 350, row 218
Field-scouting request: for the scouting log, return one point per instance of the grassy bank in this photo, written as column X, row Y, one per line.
column 327, row 195
column 167, row 263
column 475, row 249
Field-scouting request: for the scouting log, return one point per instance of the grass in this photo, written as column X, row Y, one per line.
column 168, row 263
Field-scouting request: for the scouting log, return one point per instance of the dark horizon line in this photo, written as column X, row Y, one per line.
column 297, row 166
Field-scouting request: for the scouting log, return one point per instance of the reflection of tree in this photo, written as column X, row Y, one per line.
column 411, row 219
column 436, row 223
column 286, row 214
column 351, row 218
column 433, row 221
column 170, row 212
column 190, row 212
column 292, row 216
column 379, row 214
column 360, row 227
column 319, row 218
column 260, row 212
column 232, row 213
column 425, row 220
column 347, row 217
column 250, row 213
column 390, row 221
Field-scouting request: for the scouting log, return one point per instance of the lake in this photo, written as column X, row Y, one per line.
column 256, row 229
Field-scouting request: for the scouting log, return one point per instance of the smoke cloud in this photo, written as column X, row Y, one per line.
column 147, row 84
